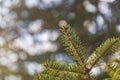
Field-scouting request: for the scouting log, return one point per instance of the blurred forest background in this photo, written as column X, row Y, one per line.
column 29, row 31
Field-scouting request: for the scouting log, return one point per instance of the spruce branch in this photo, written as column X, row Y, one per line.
column 45, row 77
column 81, row 71
column 63, row 70
column 63, row 67
column 116, row 75
column 110, row 70
column 109, row 46
column 73, row 44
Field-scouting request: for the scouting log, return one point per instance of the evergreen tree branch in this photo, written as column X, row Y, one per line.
column 112, row 67
column 63, row 74
column 45, row 77
column 108, row 79
column 73, row 44
column 63, row 67
column 116, row 75
column 64, row 70
column 110, row 70
column 110, row 45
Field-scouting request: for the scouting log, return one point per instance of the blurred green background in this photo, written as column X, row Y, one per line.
column 29, row 31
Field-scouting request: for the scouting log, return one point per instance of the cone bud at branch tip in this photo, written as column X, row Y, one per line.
column 62, row 23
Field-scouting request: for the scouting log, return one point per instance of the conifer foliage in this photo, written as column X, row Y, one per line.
column 84, row 63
